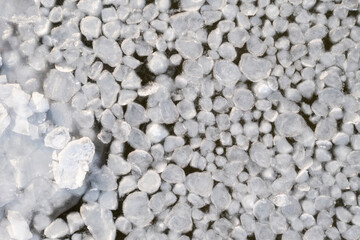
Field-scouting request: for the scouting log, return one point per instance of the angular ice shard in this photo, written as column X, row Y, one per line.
column 18, row 228
column 108, row 51
column 73, row 163
column 99, row 221
column 57, row 138
column 4, row 119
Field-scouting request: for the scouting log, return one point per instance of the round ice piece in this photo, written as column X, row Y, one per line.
column 255, row 69
column 189, row 48
column 200, row 183
column 136, row 209
column 243, row 99
column 150, row 182
column 158, row 63
column 226, row 72
column 57, row 138
column 289, row 124
column 260, row 154
column 179, row 219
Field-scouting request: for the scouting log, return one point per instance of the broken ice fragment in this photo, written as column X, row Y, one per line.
column 90, row 7
column 156, row 132
column 18, row 228
column 136, row 209
column 19, row 11
column 186, row 21
column 60, row 86
column 254, row 68
column 4, row 119
column 74, row 161
column 226, row 72
column 99, row 221
column 200, row 183
column 135, row 114
column 260, row 154
column 179, row 219
column 158, row 63
column 173, row 174
column 108, row 50
column 138, row 140
column 38, row 103
column 57, row 138
column 121, row 130
column 109, row 89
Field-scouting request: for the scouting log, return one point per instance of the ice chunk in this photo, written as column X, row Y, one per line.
column 186, row 21
column 173, row 174
column 264, row 232
column 243, row 99
column 326, row 129
column 314, row 233
column 38, row 103
column 74, row 221
column 226, row 72
column 90, row 27
column 136, row 209
column 255, row 69
column 168, row 111
column 140, row 160
column 108, row 50
column 57, row 229
column 135, row 114
column 220, row 197
column 158, row 63
column 179, row 219
column 99, row 221
column 4, row 119
column 19, row 11
column 104, row 179
column 90, row 7
column 352, row 233
column 262, row 209
column 123, row 225
column 60, row 86
column 186, row 109
column 238, row 37
column 149, row 182
column 199, row 183
column 156, row 132
column 74, row 161
column 57, row 138
column 260, row 154
column 18, row 228
column 289, row 124
column 109, row 200
column 138, row 140
column 278, row 223
column 189, row 48
column 109, row 89
column 121, row 130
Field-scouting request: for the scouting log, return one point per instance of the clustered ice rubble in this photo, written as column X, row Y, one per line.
column 185, row 119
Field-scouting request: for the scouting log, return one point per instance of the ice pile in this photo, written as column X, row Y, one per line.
column 186, row 119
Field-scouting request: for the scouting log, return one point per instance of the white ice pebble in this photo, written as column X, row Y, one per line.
column 57, row 138
column 73, row 163
column 179, row 219
column 38, row 103
column 149, row 182
column 260, row 154
column 254, row 68
column 108, row 50
column 199, row 183
column 220, row 197
column 186, row 21
column 90, row 7
column 138, row 140
column 289, row 124
column 99, row 221
column 136, row 209
column 57, row 229
column 135, row 114
column 156, row 132
column 74, row 221
column 243, row 99
column 158, row 63
column 186, row 109
column 109, row 200
column 238, row 37
column 226, row 72
column 109, row 89
column 189, row 48
column 18, row 228
column 173, row 174
column 90, row 27
column 60, row 86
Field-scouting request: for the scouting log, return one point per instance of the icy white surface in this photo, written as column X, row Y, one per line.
column 178, row 120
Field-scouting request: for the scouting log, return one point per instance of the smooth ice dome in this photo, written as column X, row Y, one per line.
column 289, row 124
column 90, row 27
column 150, row 182
column 136, row 209
column 73, row 163
column 226, row 72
